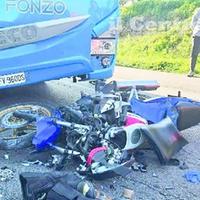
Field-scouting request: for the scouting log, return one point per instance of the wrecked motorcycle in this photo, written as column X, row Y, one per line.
column 86, row 127
column 102, row 132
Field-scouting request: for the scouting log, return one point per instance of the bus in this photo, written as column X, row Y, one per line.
column 46, row 40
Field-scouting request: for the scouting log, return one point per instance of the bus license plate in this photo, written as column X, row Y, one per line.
column 12, row 79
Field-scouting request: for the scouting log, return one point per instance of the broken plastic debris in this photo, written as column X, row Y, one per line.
column 28, row 163
column 6, row 157
column 128, row 194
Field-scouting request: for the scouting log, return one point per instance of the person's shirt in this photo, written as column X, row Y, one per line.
column 195, row 26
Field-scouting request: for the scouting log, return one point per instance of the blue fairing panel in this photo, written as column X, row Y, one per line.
column 64, row 51
column 63, row 55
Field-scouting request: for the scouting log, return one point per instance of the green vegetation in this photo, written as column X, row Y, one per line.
column 161, row 9
column 165, row 51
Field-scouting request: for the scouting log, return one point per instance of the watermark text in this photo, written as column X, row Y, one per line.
column 41, row 7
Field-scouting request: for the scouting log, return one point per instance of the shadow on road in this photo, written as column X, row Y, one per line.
column 59, row 92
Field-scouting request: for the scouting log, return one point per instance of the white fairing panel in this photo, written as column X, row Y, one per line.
column 25, row 34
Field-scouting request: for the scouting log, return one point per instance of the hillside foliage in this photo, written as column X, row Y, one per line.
column 165, row 51
column 161, row 9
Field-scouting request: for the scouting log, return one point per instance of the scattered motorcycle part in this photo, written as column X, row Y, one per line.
column 189, row 115
column 165, row 139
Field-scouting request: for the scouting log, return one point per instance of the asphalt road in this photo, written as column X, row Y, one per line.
column 159, row 183
column 170, row 83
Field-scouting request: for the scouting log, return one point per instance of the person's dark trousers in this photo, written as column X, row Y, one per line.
column 195, row 52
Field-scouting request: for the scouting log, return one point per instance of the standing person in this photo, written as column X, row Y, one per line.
column 196, row 42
